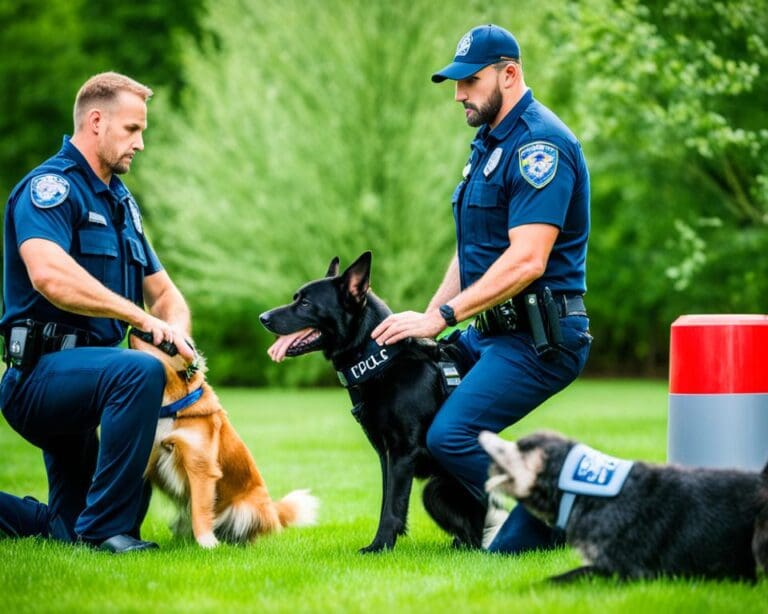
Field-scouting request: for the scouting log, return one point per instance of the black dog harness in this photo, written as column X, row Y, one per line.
column 372, row 361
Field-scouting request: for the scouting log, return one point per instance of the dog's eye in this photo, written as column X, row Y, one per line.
column 305, row 303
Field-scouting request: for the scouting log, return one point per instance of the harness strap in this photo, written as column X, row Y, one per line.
column 170, row 410
column 564, row 512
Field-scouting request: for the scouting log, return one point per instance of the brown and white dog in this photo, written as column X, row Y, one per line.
column 201, row 463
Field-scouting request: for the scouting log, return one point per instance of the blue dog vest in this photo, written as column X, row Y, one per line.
column 589, row 472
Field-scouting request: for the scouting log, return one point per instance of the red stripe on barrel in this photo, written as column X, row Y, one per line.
column 719, row 354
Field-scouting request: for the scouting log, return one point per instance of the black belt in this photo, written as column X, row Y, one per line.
column 513, row 314
column 26, row 341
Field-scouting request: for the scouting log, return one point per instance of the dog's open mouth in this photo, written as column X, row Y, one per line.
column 308, row 343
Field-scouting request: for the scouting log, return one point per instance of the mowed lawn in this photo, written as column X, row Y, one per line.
column 309, row 439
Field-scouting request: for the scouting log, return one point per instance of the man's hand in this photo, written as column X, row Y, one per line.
column 163, row 331
column 278, row 349
column 400, row 326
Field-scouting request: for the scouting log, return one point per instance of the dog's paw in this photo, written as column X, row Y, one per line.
column 208, row 541
column 376, row 546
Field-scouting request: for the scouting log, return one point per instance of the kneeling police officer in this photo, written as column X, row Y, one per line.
column 78, row 269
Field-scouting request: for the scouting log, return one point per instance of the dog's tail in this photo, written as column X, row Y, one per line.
column 297, row 509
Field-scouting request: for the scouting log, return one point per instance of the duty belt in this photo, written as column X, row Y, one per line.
column 27, row 340
column 537, row 313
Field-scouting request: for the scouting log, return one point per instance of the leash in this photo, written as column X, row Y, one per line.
column 169, row 348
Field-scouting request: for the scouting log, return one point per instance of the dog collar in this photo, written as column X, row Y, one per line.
column 589, row 472
column 170, row 410
column 370, row 362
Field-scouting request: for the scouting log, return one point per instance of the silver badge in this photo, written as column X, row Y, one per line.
column 135, row 215
column 493, row 161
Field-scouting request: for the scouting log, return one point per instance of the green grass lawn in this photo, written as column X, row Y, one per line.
column 309, row 439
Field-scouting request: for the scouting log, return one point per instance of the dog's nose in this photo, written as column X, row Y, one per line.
column 264, row 318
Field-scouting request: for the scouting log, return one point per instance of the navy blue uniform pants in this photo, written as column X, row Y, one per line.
column 507, row 381
column 95, row 486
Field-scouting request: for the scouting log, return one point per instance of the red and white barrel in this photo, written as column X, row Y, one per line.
column 718, row 391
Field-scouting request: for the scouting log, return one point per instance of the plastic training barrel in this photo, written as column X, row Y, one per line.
column 718, row 391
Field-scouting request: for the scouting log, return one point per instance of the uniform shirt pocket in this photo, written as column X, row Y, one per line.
column 98, row 254
column 486, row 219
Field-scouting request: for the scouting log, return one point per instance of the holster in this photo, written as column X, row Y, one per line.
column 536, row 313
column 27, row 340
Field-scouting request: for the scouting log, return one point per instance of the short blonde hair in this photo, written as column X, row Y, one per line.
column 104, row 87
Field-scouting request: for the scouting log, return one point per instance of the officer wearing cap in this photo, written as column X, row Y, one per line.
column 521, row 211
column 78, row 269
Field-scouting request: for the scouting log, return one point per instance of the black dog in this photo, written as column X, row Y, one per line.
column 666, row 519
column 396, row 391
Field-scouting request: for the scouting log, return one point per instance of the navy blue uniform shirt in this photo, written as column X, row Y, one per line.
column 63, row 201
column 529, row 169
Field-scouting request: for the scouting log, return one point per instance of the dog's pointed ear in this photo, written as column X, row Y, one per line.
column 357, row 278
column 333, row 268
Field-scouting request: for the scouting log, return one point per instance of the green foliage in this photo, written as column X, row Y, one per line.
column 308, row 439
column 312, row 130
column 50, row 48
column 669, row 98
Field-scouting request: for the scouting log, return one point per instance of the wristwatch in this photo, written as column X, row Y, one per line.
column 448, row 315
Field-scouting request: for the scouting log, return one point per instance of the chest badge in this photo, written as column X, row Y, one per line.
column 493, row 161
column 135, row 215
column 48, row 191
column 538, row 163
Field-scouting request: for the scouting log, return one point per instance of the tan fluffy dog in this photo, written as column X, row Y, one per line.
column 202, row 464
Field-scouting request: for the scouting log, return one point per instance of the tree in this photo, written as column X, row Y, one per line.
column 670, row 98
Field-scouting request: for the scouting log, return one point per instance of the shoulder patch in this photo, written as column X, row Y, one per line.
column 538, row 163
column 48, row 190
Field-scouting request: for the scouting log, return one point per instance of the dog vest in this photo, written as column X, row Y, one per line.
column 591, row 473
column 373, row 360
column 370, row 362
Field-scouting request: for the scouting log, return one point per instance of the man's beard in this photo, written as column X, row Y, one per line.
column 116, row 164
column 488, row 112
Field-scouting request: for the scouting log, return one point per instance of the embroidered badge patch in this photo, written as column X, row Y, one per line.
column 538, row 163
column 464, row 44
column 135, row 215
column 48, row 190
column 589, row 472
column 493, row 161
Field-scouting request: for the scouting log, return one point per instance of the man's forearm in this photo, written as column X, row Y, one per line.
column 172, row 308
column 68, row 286
column 449, row 287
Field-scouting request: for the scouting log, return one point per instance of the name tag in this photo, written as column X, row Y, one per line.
column 97, row 218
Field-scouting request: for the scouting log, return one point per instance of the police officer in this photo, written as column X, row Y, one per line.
column 77, row 270
column 522, row 219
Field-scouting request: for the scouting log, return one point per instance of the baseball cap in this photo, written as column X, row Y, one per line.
column 477, row 49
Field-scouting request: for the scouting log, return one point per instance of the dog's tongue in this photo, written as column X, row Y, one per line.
column 312, row 335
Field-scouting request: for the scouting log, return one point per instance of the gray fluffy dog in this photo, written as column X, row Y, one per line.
column 666, row 520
